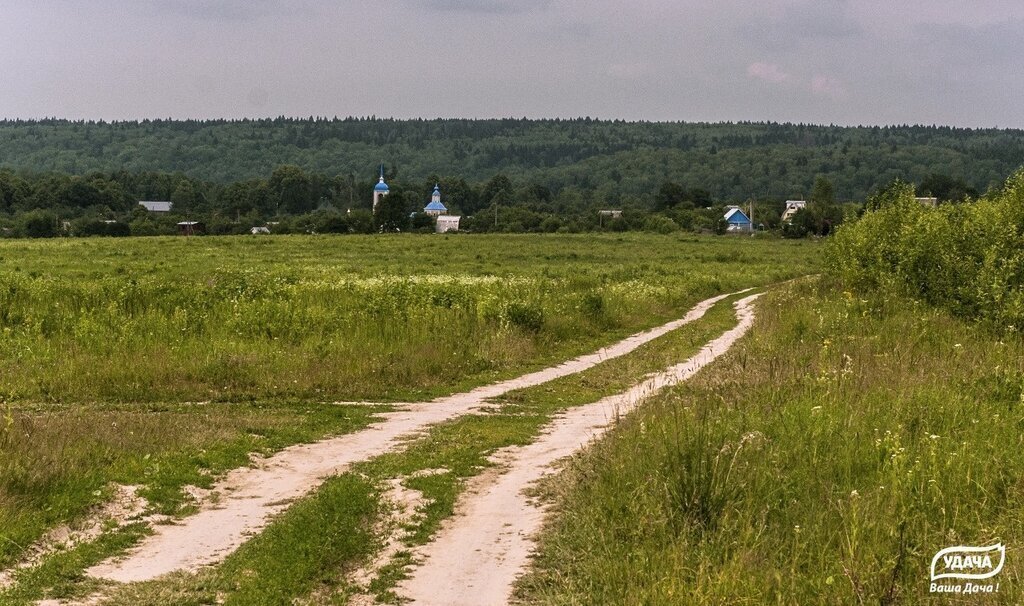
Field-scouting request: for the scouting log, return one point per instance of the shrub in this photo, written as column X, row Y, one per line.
column 967, row 258
column 529, row 318
column 661, row 225
column 38, row 224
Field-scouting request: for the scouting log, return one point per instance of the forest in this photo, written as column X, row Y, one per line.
column 315, row 174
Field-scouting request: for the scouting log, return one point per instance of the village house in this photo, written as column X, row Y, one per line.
column 736, row 219
column 191, row 228
column 446, row 223
column 157, row 206
column 792, row 206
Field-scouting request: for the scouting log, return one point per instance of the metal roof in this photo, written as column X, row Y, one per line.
column 732, row 218
column 157, row 206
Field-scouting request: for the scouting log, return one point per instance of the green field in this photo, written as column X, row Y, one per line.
column 325, row 318
column 859, row 428
column 163, row 362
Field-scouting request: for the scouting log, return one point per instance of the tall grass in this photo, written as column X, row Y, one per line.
column 232, row 319
column 826, row 459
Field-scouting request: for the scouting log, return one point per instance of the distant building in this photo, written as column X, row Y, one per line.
column 435, row 208
column 929, row 202
column 259, row 230
column 614, row 214
column 380, row 190
column 737, row 219
column 792, row 206
column 157, row 207
column 191, row 228
column 446, row 223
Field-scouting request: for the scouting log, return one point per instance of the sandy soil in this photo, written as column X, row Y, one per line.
column 481, row 551
column 248, row 497
column 126, row 506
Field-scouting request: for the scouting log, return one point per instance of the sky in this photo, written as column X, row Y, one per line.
column 813, row 61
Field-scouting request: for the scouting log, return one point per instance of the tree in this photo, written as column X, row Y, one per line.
column 499, row 184
column 38, row 224
column 183, row 197
column 824, row 192
column 946, row 188
column 669, row 195
column 290, row 188
column 824, row 213
column 701, row 197
column 392, row 214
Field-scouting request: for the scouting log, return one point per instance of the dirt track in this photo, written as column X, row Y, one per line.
column 249, row 497
column 481, row 551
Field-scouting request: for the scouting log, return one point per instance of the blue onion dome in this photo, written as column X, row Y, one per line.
column 382, row 186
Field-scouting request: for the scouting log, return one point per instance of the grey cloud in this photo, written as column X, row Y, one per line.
column 802, row 24
column 972, row 47
column 489, row 6
column 230, row 10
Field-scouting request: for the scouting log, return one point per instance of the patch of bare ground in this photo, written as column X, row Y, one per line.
column 125, row 506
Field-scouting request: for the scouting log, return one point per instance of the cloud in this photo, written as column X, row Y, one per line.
column 627, row 71
column 500, row 7
column 803, row 24
column 230, row 10
column 769, row 72
column 828, row 86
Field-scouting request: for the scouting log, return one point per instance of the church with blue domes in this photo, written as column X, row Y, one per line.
column 443, row 222
column 435, row 208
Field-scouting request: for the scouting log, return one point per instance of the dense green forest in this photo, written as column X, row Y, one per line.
column 315, row 175
column 613, row 158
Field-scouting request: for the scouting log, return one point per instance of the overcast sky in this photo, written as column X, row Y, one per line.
column 821, row 61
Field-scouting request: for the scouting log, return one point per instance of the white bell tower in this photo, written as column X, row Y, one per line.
column 380, row 190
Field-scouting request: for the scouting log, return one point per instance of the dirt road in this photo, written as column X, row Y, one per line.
column 481, row 551
column 248, row 497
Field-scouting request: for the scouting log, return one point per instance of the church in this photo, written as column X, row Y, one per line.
column 443, row 222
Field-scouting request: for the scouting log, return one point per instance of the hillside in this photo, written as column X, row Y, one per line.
column 732, row 161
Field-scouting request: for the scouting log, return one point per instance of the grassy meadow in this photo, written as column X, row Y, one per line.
column 163, row 362
column 241, row 318
column 825, row 459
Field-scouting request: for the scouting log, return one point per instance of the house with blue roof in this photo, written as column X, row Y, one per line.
column 737, row 219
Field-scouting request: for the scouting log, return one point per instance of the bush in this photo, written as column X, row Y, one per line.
column 966, row 258
column 529, row 318
column 661, row 225
column 38, row 224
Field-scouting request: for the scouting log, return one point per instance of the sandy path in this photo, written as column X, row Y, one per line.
column 250, row 496
column 481, row 551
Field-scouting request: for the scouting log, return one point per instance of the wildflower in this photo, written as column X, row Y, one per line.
column 854, row 494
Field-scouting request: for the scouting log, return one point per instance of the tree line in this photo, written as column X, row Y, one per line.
column 293, row 200
column 615, row 160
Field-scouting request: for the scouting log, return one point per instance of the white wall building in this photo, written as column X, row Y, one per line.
column 446, row 223
column 791, row 207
